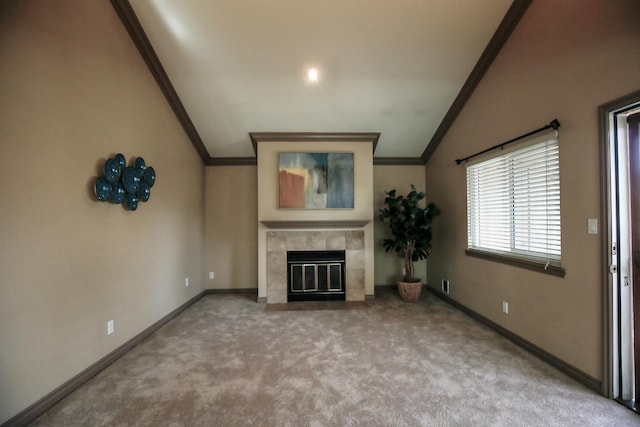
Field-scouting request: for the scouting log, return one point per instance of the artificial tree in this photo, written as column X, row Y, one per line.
column 410, row 226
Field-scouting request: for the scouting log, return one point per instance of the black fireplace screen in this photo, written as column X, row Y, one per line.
column 316, row 275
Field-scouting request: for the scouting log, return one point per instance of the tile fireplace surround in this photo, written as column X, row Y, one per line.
column 279, row 242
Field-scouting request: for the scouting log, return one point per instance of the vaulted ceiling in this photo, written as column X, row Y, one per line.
column 401, row 69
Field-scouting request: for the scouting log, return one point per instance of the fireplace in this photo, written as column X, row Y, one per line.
column 349, row 243
column 316, row 276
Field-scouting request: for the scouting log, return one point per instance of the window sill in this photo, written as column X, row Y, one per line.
column 517, row 262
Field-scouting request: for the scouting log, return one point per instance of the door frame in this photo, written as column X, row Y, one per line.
column 608, row 237
column 633, row 120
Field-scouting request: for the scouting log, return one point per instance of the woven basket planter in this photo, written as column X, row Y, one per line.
column 409, row 291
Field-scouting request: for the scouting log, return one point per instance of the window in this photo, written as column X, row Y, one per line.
column 513, row 204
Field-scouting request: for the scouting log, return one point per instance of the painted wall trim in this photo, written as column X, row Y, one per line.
column 138, row 36
column 35, row 410
column 257, row 137
column 500, row 37
column 566, row 368
column 397, row 161
column 231, row 161
column 253, row 291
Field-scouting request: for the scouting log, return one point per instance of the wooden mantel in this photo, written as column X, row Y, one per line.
column 316, row 224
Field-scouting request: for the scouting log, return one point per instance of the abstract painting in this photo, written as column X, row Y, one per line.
column 316, row 180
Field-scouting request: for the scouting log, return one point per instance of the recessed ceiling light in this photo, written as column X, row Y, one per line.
column 312, row 75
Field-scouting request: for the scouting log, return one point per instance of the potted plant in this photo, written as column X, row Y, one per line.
column 410, row 226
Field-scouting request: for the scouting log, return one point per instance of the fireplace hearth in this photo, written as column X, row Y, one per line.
column 316, row 276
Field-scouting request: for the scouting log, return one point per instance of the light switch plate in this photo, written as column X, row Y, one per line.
column 592, row 226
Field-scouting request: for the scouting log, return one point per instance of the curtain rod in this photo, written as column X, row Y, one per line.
column 555, row 124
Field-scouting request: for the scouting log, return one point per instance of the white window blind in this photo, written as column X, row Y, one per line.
column 513, row 202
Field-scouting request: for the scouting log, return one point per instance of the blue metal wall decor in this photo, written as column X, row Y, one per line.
column 120, row 183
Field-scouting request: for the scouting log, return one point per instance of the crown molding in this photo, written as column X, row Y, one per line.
column 231, row 161
column 257, row 137
column 397, row 161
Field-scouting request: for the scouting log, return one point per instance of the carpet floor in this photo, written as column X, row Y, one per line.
column 228, row 361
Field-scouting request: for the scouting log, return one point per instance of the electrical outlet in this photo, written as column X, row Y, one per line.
column 445, row 286
column 186, row 281
column 212, row 275
column 110, row 327
column 505, row 307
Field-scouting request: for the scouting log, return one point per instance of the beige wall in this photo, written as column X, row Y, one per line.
column 74, row 91
column 388, row 265
column 231, row 230
column 231, row 227
column 562, row 61
column 268, row 197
